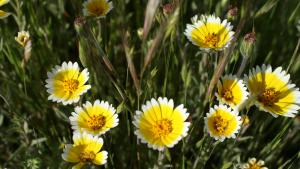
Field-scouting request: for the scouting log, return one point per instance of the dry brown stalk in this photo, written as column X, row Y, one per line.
column 131, row 66
column 149, row 15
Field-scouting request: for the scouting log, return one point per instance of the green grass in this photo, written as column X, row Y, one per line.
column 33, row 129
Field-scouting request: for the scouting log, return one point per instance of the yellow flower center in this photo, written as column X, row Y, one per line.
column 71, row 85
column 227, row 94
column 87, row 156
column 98, row 10
column 98, row 7
column 162, row 128
column 220, row 124
column 211, row 39
column 23, row 39
column 268, row 97
column 96, row 122
column 254, row 166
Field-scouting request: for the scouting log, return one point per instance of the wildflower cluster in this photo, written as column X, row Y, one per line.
column 66, row 84
column 159, row 123
column 149, row 84
column 271, row 91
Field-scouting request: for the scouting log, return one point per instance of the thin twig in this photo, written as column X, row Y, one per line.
column 131, row 66
column 242, row 67
column 156, row 43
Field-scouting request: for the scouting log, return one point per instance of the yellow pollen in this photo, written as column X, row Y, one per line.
column 97, row 8
column 87, row 156
column 96, row 122
column 227, row 94
column 268, row 97
column 220, row 124
column 254, row 166
column 22, row 38
column 162, row 128
column 71, row 85
column 211, row 40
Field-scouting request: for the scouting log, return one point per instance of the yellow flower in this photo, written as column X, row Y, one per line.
column 209, row 32
column 94, row 119
column 222, row 122
column 254, row 164
column 160, row 125
column 3, row 14
column 98, row 8
column 232, row 91
column 22, row 38
column 86, row 149
column 65, row 83
column 272, row 91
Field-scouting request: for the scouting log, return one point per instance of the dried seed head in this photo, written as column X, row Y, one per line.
column 250, row 37
column 168, row 8
column 79, row 21
column 232, row 12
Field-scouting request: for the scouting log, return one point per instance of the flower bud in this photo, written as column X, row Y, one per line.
column 168, row 9
column 247, row 45
column 250, row 37
column 232, row 12
column 22, row 38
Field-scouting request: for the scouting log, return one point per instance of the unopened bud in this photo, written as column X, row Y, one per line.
column 168, row 8
column 250, row 37
column 22, row 38
column 140, row 32
column 247, row 45
column 78, row 22
column 232, row 12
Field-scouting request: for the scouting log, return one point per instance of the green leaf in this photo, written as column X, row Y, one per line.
column 200, row 142
column 153, row 72
column 183, row 73
column 82, row 55
column 226, row 165
column 38, row 141
column 267, row 6
column 168, row 155
column 120, row 108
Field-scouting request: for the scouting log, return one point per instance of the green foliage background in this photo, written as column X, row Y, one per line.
column 34, row 130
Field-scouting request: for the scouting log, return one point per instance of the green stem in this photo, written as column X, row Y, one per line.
column 166, row 75
column 294, row 55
